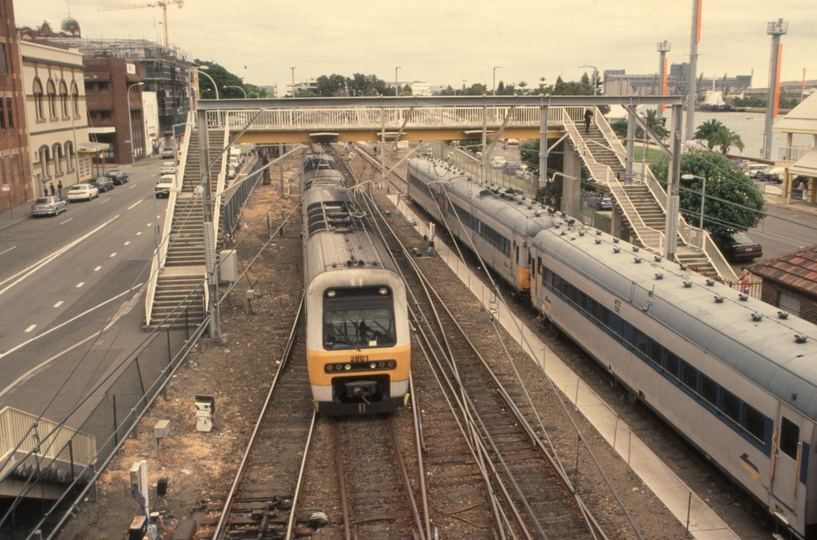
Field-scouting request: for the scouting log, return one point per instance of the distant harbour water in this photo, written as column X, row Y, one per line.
column 750, row 126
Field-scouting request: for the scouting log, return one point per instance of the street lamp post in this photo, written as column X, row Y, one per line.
column 240, row 88
column 201, row 72
column 703, row 200
column 595, row 77
column 495, row 68
column 396, row 90
column 293, row 81
column 130, row 124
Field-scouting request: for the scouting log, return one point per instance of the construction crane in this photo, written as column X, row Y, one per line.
column 159, row 3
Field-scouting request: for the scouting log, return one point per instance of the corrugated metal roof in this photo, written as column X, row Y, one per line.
column 796, row 269
column 806, row 165
column 765, row 351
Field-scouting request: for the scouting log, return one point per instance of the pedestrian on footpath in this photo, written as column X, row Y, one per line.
column 59, row 188
column 53, row 190
column 588, row 114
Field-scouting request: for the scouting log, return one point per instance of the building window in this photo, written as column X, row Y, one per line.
column 3, row 64
column 38, row 100
column 75, row 98
column 70, row 156
column 10, row 111
column 43, row 153
column 790, row 303
column 64, row 99
column 56, row 151
column 2, row 115
column 52, row 99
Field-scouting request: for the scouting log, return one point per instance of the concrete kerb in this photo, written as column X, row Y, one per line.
column 704, row 524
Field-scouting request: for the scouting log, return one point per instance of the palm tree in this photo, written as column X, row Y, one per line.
column 651, row 119
column 726, row 138
column 706, row 131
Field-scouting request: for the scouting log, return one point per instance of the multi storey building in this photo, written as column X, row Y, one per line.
column 15, row 164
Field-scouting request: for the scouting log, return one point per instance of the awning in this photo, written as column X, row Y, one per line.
column 108, row 129
column 806, row 165
column 92, row 147
column 801, row 119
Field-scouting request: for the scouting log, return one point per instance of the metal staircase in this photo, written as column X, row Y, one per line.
column 180, row 295
column 641, row 203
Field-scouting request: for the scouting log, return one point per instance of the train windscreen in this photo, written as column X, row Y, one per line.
column 358, row 328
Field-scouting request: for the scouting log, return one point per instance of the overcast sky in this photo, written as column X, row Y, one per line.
column 451, row 41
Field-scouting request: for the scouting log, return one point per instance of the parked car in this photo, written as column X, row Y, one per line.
column 511, row 167
column 739, row 247
column 604, row 203
column 79, row 192
column 118, row 177
column 45, row 206
column 168, row 167
column 167, row 152
column 497, row 162
column 103, row 184
column 163, row 186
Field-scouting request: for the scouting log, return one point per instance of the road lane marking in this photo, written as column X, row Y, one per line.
column 80, row 284
column 134, row 204
column 58, row 304
column 66, row 221
column 15, row 247
column 97, row 269
column 128, row 242
column 113, row 254
column 137, row 234
column 21, row 345
column 104, row 201
column 133, row 186
column 30, row 328
column 23, row 274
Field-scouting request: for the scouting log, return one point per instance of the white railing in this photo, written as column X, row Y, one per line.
column 651, row 238
column 160, row 254
column 359, row 118
column 220, row 185
column 792, row 153
column 15, row 428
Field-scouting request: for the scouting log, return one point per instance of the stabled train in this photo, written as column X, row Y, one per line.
column 735, row 376
column 358, row 342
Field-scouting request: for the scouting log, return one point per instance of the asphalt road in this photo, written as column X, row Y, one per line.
column 784, row 229
column 61, row 280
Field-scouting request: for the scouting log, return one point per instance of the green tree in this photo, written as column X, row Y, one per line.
column 726, row 138
column 733, row 202
column 222, row 78
column 651, row 119
column 620, row 127
column 706, row 132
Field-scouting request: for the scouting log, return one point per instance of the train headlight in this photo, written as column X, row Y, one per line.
column 383, row 291
column 347, row 367
column 330, row 294
column 373, row 365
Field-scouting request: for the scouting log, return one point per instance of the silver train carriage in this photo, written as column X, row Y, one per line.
column 496, row 222
column 320, row 169
column 358, row 341
column 734, row 375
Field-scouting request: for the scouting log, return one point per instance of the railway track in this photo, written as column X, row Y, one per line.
column 531, row 495
column 262, row 500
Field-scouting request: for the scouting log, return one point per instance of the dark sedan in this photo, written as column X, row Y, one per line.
column 118, row 177
column 102, row 183
column 739, row 247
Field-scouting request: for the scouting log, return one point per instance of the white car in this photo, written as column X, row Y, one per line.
column 168, row 167
column 80, row 192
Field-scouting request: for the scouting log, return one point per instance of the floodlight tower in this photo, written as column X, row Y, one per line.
column 663, row 48
column 774, row 29
column 692, row 77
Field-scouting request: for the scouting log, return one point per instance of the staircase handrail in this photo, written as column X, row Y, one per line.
column 602, row 172
column 160, row 254
column 220, row 186
column 685, row 230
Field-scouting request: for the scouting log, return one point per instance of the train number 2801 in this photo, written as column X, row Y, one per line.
column 359, row 358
